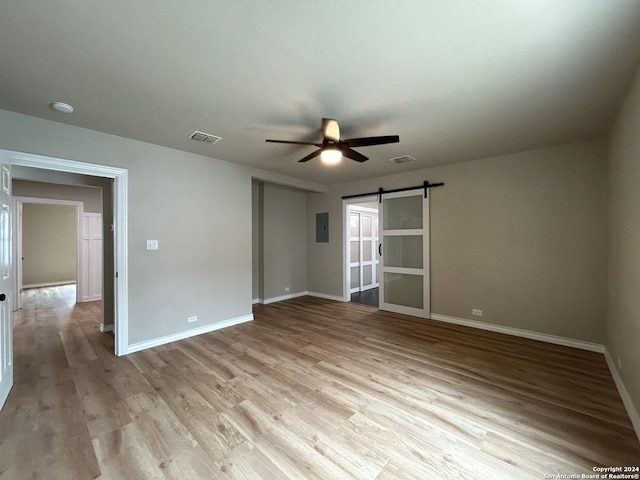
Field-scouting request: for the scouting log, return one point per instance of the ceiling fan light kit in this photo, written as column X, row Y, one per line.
column 332, row 149
column 331, row 156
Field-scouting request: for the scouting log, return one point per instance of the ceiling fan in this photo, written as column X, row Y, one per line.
column 332, row 148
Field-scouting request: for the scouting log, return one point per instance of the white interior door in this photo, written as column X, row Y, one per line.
column 6, row 282
column 363, row 241
column 354, row 252
column 404, row 265
column 91, row 257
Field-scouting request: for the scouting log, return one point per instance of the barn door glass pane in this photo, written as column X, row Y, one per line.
column 402, row 213
column 403, row 289
column 402, row 251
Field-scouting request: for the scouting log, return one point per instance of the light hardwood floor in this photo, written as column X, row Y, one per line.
column 312, row 389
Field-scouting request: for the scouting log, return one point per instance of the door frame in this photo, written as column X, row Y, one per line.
column 17, row 203
column 370, row 212
column 346, row 273
column 120, row 214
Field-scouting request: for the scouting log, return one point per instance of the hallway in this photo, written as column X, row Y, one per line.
column 57, row 344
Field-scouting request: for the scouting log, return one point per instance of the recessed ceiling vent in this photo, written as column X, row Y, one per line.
column 402, row 159
column 204, row 137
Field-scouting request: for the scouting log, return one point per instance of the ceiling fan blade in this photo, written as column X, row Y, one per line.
column 294, row 143
column 366, row 141
column 331, row 129
column 353, row 155
column 310, row 156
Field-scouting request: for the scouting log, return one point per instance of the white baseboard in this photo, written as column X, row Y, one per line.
column 624, row 394
column 267, row 301
column 326, row 297
column 632, row 411
column 289, row 296
column 256, row 300
column 48, row 284
column 95, row 298
column 106, row 328
column 543, row 337
column 136, row 347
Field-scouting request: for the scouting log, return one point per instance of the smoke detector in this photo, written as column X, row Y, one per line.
column 62, row 107
column 204, row 137
column 402, row 159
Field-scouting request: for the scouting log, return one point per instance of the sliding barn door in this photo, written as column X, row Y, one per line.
column 404, row 264
column 6, row 283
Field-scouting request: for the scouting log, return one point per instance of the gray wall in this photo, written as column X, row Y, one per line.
column 280, row 243
column 520, row 236
column 49, row 244
column 199, row 209
column 623, row 312
column 256, row 241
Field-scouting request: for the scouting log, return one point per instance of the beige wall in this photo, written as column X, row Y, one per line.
column 91, row 197
column 281, row 239
column 623, row 312
column 49, row 244
column 520, row 236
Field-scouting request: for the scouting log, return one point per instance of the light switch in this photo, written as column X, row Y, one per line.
column 152, row 245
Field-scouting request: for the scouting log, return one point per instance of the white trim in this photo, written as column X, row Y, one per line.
column 267, row 301
column 48, row 284
column 136, row 347
column 256, row 300
column 517, row 332
column 624, row 394
column 120, row 193
column 106, row 328
column 360, row 209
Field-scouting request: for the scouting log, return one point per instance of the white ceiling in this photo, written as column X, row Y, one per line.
column 456, row 79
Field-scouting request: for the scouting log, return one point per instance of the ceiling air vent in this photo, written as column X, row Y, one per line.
column 402, row 159
column 204, row 137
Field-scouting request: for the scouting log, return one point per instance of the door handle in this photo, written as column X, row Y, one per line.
column 380, row 249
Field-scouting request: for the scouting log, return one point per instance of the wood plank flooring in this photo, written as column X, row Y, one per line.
column 312, row 389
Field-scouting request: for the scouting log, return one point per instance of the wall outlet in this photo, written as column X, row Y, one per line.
column 476, row 312
column 192, row 319
column 153, row 244
column 286, row 289
column 619, row 363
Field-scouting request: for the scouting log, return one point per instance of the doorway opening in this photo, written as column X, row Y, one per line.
column 362, row 257
column 115, row 265
column 57, row 241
